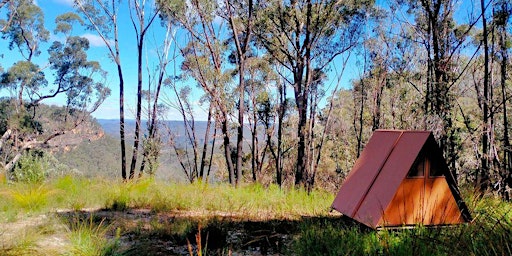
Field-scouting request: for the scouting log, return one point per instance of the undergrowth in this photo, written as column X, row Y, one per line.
column 251, row 201
column 90, row 238
column 297, row 221
column 489, row 233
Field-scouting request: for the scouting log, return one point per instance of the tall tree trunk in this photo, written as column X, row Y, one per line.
column 227, row 148
column 214, row 137
column 301, row 133
column 483, row 177
column 377, row 98
column 358, row 119
column 139, row 107
column 279, row 158
column 240, row 128
column 111, row 16
column 121, row 122
column 205, row 144
column 121, row 102
column 506, row 172
column 241, row 50
column 254, row 141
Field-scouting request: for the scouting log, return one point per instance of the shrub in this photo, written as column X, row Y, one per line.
column 31, row 168
column 36, row 167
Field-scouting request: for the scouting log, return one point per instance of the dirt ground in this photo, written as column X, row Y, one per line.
column 143, row 232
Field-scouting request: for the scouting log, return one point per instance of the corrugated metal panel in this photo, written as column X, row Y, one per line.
column 364, row 172
column 390, row 177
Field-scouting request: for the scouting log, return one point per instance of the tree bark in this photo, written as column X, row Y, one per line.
column 483, row 177
column 205, row 145
column 506, row 174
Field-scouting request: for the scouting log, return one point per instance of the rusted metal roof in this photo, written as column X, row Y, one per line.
column 378, row 173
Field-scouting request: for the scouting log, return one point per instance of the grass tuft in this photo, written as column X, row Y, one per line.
column 232, row 218
column 89, row 238
column 31, row 198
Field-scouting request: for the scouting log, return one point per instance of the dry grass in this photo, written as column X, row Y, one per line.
column 162, row 217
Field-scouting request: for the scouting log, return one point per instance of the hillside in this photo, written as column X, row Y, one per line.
column 176, row 128
column 100, row 155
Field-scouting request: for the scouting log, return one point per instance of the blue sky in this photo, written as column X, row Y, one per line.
column 98, row 52
column 109, row 109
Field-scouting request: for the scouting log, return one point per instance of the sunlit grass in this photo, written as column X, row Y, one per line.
column 252, row 200
column 25, row 199
column 88, row 238
column 209, row 205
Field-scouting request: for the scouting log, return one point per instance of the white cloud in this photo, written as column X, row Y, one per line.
column 65, row 2
column 94, row 40
column 59, row 38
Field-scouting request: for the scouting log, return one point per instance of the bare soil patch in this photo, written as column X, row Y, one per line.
column 143, row 232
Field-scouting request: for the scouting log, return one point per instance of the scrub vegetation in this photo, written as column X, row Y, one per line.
column 84, row 216
column 290, row 92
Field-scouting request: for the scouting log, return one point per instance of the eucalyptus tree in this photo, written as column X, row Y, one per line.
column 5, row 23
column 305, row 37
column 240, row 16
column 152, row 142
column 483, row 178
column 491, row 80
column 25, row 31
column 443, row 40
column 261, row 103
column 501, row 19
column 103, row 17
column 77, row 80
column 204, row 61
column 139, row 12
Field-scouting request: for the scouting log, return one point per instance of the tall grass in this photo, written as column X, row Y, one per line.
column 89, row 238
column 490, row 233
column 251, row 201
column 25, row 198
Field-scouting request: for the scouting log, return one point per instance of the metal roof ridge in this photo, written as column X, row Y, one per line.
column 402, row 131
column 378, row 173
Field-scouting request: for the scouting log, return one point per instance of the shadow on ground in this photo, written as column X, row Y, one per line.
column 143, row 232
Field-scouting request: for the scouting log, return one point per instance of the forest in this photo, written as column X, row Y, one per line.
column 275, row 99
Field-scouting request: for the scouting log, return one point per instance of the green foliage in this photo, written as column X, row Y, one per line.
column 29, row 198
column 33, row 167
column 11, row 118
column 36, row 167
column 331, row 238
column 152, row 148
column 94, row 158
column 490, row 233
column 26, row 29
column 25, row 73
column 89, row 238
column 65, row 22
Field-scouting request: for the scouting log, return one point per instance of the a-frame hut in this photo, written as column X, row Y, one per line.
column 400, row 179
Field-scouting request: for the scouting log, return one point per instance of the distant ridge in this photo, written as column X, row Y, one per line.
column 111, row 127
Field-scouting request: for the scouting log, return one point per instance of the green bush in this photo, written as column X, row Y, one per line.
column 37, row 167
column 31, row 168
